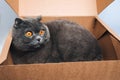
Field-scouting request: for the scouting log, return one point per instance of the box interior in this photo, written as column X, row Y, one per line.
column 85, row 17
column 92, row 24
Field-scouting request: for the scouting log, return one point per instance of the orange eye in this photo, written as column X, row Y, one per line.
column 28, row 34
column 41, row 32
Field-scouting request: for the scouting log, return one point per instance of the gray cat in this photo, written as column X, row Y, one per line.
column 53, row 41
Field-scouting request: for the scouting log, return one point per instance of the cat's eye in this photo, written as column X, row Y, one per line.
column 42, row 32
column 28, row 34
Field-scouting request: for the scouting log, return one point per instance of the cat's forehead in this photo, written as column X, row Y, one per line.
column 31, row 21
column 32, row 24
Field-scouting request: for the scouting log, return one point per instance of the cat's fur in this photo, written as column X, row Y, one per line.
column 64, row 41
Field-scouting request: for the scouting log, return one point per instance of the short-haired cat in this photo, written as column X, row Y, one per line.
column 50, row 42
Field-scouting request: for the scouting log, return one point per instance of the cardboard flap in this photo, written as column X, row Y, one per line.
column 111, row 17
column 108, row 28
column 4, row 53
column 102, row 4
column 98, row 29
column 7, row 16
column 116, row 45
column 14, row 5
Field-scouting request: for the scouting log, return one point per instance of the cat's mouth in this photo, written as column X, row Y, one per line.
column 34, row 47
column 37, row 46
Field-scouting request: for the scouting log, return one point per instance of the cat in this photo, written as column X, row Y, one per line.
column 51, row 42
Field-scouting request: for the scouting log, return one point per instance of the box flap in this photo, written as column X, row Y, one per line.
column 111, row 17
column 7, row 16
column 116, row 45
column 14, row 5
column 102, row 4
column 5, row 49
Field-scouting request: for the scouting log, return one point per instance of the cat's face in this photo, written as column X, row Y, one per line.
column 29, row 34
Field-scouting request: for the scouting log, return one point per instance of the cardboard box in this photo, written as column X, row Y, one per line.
column 108, row 69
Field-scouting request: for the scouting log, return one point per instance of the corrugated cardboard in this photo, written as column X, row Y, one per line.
column 108, row 69
column 104, row 70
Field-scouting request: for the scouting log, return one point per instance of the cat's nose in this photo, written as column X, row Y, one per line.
column 38, row 39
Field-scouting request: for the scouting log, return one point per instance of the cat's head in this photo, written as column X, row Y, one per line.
column 29, row 34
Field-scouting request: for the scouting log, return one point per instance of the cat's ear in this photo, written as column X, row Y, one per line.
column 18, row 21
column 39, row 18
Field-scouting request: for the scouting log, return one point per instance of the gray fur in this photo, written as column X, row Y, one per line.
column 64, row 41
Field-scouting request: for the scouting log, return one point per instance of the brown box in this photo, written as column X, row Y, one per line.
column 108, row 69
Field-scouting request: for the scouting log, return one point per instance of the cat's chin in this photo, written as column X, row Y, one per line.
column 37, row 46
column 30, row 48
